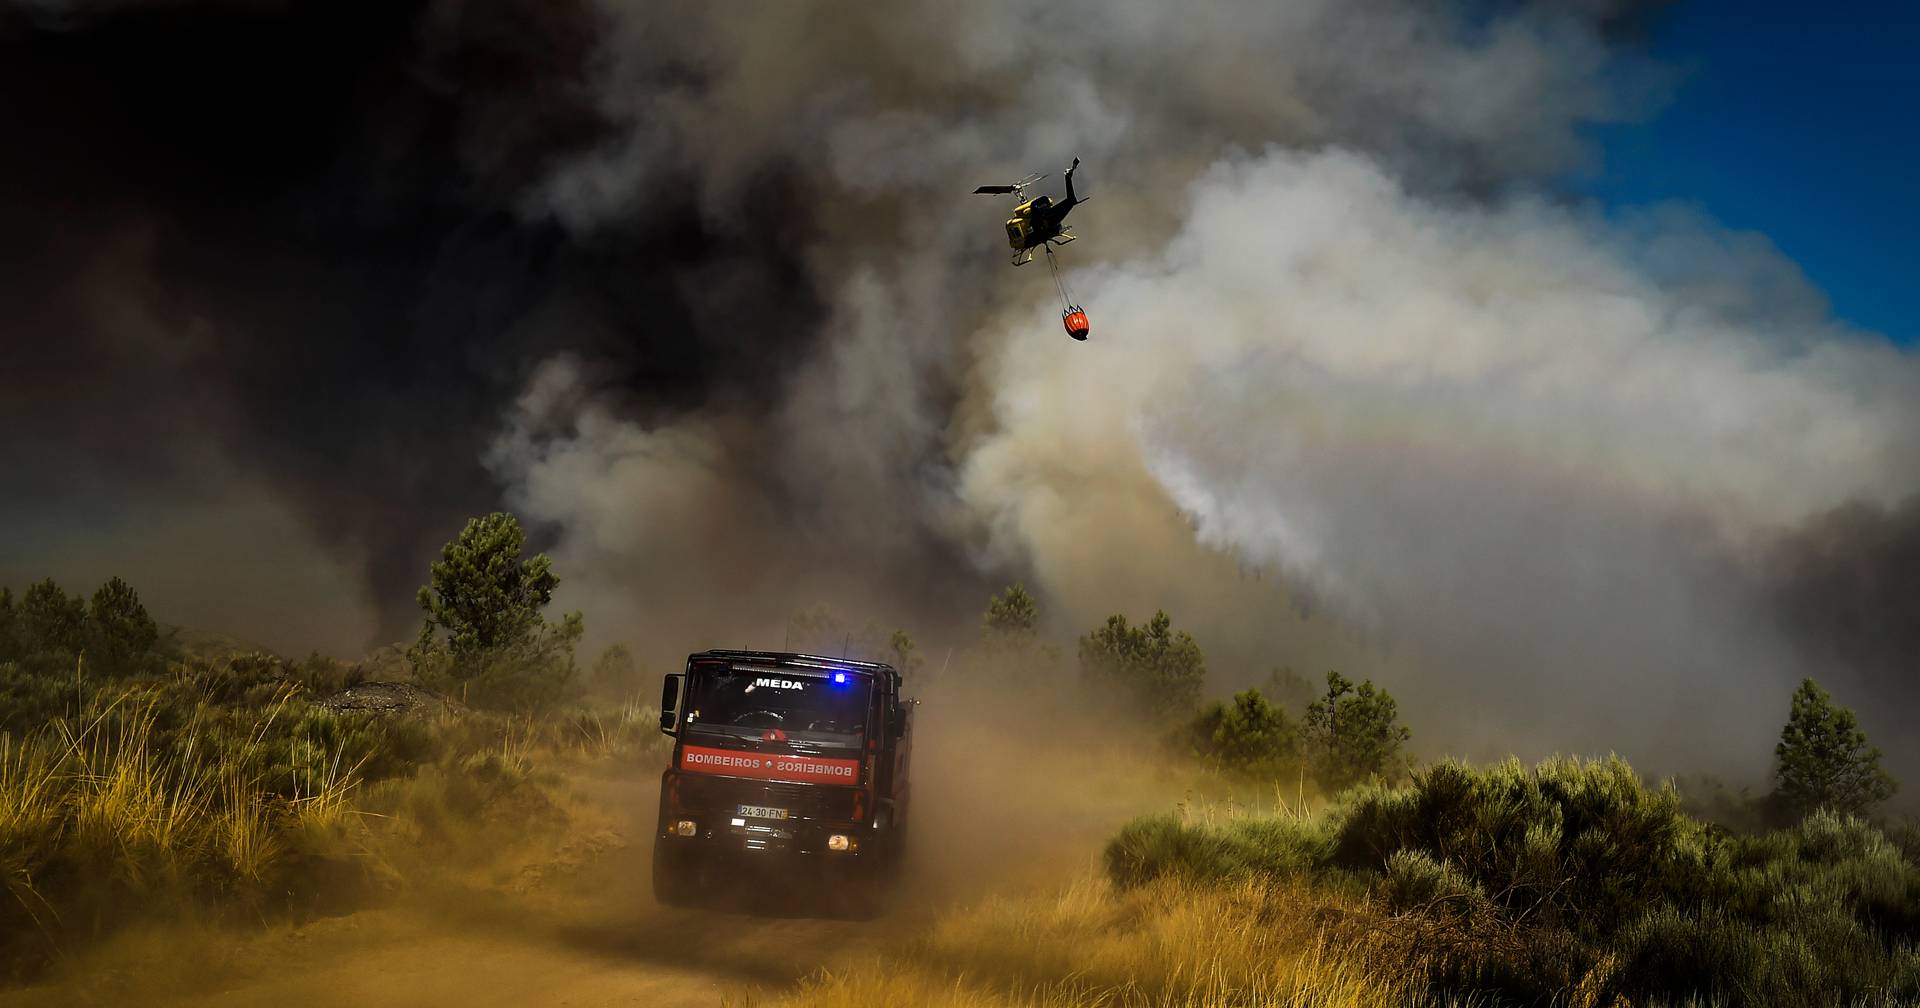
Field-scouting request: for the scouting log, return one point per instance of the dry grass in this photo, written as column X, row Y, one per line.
column 108, row 811
column 1162, row 945
column 27, row 787
column 628, row 730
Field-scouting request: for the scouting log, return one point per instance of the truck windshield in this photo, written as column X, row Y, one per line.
column 749, row 703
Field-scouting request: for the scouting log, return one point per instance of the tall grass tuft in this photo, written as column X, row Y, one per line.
column 1162, row 944
column 222, row 786
column 1280, row 847
column 138, row 803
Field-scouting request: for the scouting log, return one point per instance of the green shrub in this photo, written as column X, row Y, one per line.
column 1581, row 841
column 322, row 743
column 629, row 731
column 1246, row 735
column 29, row 700
column 1524, row 884
column 443, row 800
column 1849, row 864
column 1414, row 881
column 615, row 673
column 1153, row 846
column 529, row 679
column 320, row 676
column 1825, row 958
column 140, row 801
column 1711, row 800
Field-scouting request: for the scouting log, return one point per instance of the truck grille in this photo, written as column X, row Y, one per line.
column 806, row 801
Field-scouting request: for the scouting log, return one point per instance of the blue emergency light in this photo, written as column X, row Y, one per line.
column 839, row 677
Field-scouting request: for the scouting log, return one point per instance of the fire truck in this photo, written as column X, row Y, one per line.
column 792, row 762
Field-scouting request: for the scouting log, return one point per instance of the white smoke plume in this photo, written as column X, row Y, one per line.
column 1494, row 437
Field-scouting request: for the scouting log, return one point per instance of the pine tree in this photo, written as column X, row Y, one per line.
column 1823, row 759
column 1354, row 731
column 1148, row 667
column 51, row 621
column 482, row 593
column 484, row 632
column 1012, row 612
column 122, row 632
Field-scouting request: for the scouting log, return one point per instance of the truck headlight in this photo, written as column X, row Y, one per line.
column 686, row 827
column 842, row 842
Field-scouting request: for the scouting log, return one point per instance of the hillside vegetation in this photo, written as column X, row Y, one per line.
column 1568, row 883
column 1523, row 884
column 145, row 774
column 1572, row 882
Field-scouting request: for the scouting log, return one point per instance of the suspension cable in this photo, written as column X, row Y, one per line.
column 1059, row 280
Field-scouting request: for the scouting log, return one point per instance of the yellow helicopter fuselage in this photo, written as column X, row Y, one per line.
column 1020, row 227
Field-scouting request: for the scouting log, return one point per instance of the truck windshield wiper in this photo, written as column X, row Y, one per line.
column 800, row 741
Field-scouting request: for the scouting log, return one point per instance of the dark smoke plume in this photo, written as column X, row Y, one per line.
column 286, row 236
column 1845, row 587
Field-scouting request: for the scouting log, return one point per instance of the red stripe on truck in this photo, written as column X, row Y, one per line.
column 769, row 766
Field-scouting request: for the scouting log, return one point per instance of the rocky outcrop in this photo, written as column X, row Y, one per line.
column 392, row 698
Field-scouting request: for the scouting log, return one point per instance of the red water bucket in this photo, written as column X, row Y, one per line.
column 1076, row 322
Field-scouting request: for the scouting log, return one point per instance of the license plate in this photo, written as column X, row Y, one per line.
column 761, row 812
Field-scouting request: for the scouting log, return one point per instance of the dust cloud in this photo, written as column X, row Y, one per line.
column 1017, row 781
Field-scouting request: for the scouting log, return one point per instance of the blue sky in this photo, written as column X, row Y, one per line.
column 1799, row 121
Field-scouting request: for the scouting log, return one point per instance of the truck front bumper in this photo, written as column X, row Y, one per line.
column 721, row 835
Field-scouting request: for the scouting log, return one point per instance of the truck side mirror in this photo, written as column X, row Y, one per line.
column 672, row 690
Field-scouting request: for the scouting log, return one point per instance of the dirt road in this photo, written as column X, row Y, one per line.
column 583, row 929
column 493, row 955
column 579, row 930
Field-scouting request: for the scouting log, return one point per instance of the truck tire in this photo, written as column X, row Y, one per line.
column 674, row 883
column 866, row 884
column 896, row 853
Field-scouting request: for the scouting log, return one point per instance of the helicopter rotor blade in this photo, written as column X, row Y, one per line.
column 993, row 189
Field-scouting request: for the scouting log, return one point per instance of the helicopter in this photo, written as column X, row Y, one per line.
column 1040, row 223
column 1036, row 222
